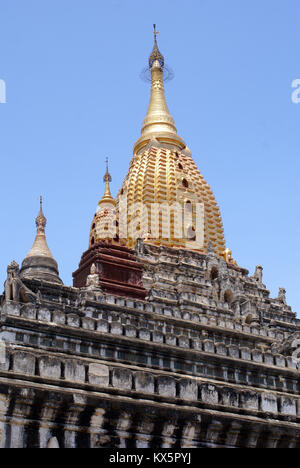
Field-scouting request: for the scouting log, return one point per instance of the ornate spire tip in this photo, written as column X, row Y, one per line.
column 40, row 219
column 107, row 176
column 156, row 54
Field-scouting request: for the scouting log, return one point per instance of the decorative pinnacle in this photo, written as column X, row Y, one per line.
column 40, row 220
column 40, row 247
column 155, row 54
column 107, row 179
column 107, row 176
column 158, row 122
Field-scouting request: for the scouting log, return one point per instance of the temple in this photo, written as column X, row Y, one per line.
column 163, row 341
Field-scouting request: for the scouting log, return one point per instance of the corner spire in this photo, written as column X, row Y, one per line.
column 103, row 219
column 158, row 122
column 39, row 262
column 40, row 246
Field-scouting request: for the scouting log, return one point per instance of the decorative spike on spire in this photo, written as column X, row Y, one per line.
column 158, row 122
column 156, row 54
column 105, row 211
column 40, row 246
column 107, row 176
column 40, row 220
column 107, row 179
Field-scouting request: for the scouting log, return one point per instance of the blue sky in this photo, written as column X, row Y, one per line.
column 74, row 96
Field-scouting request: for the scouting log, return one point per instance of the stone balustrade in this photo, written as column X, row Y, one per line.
column 203, row 317
column 181, row 337
column 53, row 368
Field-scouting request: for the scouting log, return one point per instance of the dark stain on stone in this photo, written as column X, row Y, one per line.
column 110, row 424
column 83, row 438
column 178, row 434
column 8, row 415
column 157, row 437
column 59, row 423
column 31, row 434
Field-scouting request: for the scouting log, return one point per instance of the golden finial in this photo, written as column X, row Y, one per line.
column 158, row 122
column 107, row 179
column 107, row 176
column 104, row 214
column 155, row 33
column 156, row 54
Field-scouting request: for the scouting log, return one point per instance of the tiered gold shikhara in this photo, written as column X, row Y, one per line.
column 161, row 171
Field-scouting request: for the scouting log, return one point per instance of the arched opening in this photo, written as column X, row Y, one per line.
column 228, row 297
column 214, row 273
column 93, row 241
column 185, row 183
column 11, row 293
column 180, row 166
column 94, row 225
column 189, row 206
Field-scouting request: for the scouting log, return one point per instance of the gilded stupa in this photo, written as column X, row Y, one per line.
column 104, row 221
column 164, row 197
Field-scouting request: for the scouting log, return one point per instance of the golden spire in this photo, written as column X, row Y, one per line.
column 102, row 223
column 158, row 122
column 107, row 179
column 40, row 247
column 164, row 196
